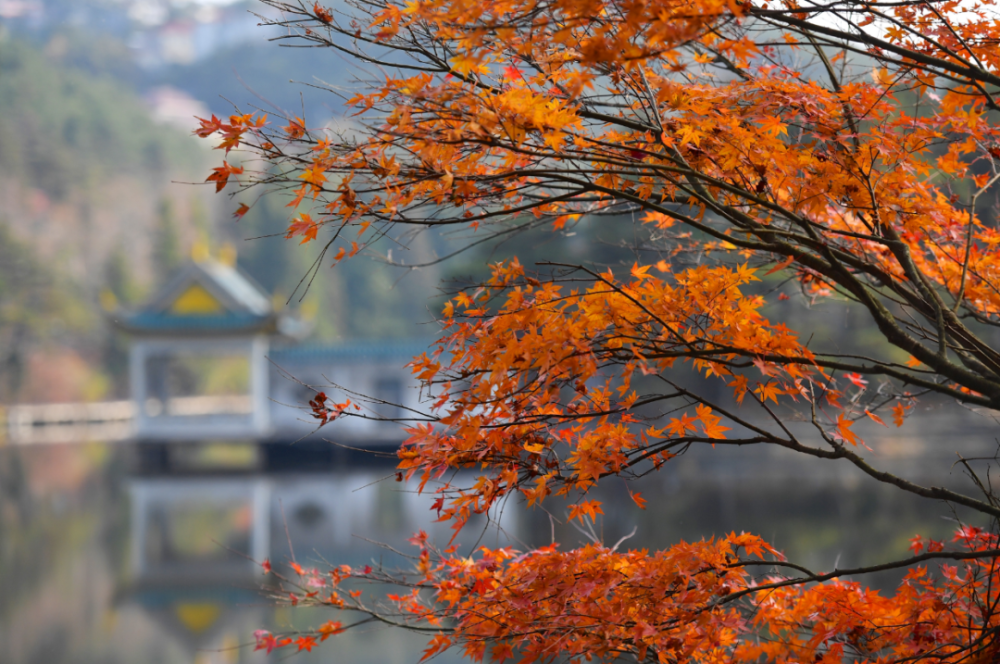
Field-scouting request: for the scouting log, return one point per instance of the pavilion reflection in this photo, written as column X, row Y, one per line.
column 197, row 542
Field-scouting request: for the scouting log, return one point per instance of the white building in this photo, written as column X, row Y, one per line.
column 211, row 359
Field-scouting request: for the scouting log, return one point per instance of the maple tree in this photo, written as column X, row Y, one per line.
column 848, row 146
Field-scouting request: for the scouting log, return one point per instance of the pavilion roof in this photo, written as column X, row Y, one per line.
column 204, row 297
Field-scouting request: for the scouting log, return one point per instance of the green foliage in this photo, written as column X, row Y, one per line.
column 360, row 298
column 118, row 277
column 69, row 126
column 98, row 55
column 266, row 257
column 120, row 283
column 63, row 129
column 166, row 242
column 37, row 306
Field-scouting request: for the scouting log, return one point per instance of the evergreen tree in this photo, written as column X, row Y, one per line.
column 166, row 253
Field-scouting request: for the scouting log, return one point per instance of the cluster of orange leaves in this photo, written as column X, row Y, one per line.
column 693, row 602
column 676, row 605
column 535, row 381
column 505, row 395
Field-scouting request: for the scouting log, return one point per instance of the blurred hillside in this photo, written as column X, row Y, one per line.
column 97, row 99
column 84, row 172
column 82, row 165
column 96, row 210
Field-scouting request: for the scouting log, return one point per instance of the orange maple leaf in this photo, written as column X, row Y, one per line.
column 439, row 643
column 306, row 643
column 637, row 499
column 305, row 226
column 844, row 430
column 322, row 13
column 330, row 628
column 680, row 427
column 898, row 413
column 296, row 128
column 780, row 266
column 710, row 422
column 221, row 175
column 768, row 391
column 588, row 508
column 875, row 418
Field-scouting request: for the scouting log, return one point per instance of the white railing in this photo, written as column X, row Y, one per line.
column 229, row 404
column 108, row 421
column 69, row 422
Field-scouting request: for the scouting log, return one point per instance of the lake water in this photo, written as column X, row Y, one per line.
column 101, row 563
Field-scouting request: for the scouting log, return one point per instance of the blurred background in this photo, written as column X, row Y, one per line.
column 144, row 331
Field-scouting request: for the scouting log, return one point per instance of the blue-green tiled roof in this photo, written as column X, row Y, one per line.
column 162, row 321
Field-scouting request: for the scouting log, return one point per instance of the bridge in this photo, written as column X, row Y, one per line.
column 212, row 359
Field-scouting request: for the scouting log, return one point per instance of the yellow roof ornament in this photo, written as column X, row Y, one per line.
column 200, row 251
column 108, row 300
column 309, row 309
column 227, row 255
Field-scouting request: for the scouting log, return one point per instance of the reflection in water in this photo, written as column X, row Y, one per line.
column 102, row 565
column 197, row 541
column 179, row 526
column 129, row 568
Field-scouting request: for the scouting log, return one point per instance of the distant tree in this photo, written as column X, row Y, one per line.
column 118, row 278
column 32, row 298
column 119, row 290
column 846, row 147
column 166, row 242
column 64, row 131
